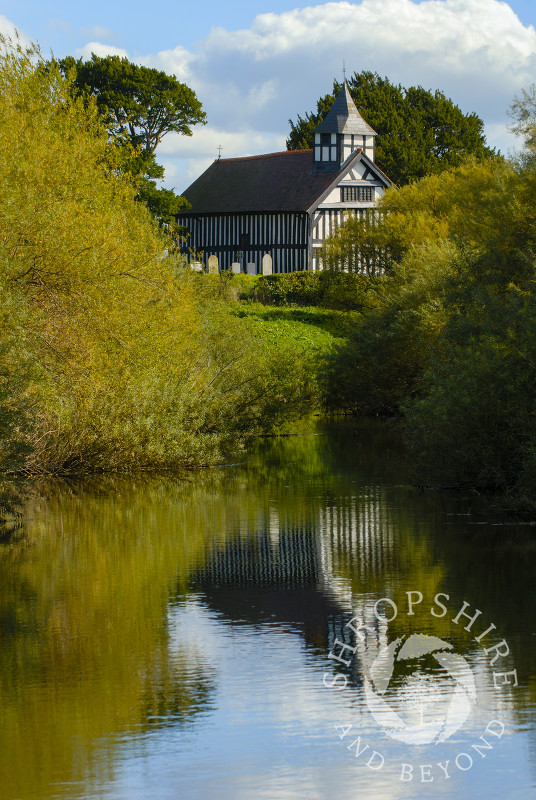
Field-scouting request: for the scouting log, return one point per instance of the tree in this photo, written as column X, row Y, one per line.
column 143, row 102
column 450, row 343
column 523, row 114
column 163, row 204
column 111, row 356
column 139, row 106
column 419, row 132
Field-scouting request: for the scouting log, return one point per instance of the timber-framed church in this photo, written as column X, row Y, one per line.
column 285, row 205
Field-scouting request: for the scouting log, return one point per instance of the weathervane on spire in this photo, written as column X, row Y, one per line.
column 220, row 148
column 344, row 71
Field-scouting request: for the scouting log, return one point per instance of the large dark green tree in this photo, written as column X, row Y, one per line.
column 419, row 132
column 139, row 106
column 143, row 102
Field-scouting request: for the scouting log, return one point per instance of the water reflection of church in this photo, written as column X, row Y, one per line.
column 289, row 570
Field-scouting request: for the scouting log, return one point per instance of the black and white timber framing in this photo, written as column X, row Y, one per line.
column 285, row 204
column 248, row 237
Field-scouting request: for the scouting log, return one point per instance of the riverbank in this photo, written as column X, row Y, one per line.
column 113, row 355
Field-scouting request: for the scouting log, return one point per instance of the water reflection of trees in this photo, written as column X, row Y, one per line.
column 310, row 531
column 368, row 535
column 85, row 654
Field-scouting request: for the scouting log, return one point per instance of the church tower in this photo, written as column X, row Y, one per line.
column 341, row 133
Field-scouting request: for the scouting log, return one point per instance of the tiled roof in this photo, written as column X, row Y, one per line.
column 273, row 182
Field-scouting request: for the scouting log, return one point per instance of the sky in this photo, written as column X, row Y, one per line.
column 255, row 64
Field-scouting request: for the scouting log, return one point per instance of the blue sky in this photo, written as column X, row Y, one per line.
column 64, row 26
column 254, row 64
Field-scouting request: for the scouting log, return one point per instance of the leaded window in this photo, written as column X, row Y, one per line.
column 356, row 194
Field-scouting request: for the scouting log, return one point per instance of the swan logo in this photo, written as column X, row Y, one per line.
column 419, row 691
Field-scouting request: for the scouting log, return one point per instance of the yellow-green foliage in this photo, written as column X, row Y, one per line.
column 461, row 205
column 108, row 358
column 450, row 341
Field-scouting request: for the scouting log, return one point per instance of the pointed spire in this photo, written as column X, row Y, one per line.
column 343, row 117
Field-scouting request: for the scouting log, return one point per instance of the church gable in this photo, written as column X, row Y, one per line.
column 355, row 190
column 359, row 184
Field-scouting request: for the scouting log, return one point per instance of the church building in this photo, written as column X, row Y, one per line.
column 285, row 204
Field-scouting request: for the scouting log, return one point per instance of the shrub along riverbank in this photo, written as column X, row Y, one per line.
column 445, row 339
column 112, row 354
column 451, row 343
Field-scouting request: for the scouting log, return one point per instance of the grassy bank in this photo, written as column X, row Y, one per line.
column 314, row 330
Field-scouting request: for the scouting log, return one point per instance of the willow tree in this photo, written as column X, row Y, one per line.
column 109, row 357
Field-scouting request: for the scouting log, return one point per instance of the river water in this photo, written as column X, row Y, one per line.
column 301, row 625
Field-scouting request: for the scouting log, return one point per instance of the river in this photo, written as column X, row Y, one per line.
column 300, row 625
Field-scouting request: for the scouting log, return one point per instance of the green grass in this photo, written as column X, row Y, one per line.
column 315, row 329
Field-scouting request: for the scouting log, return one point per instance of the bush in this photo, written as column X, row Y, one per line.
column 474, row 425
column 327, row 289
column 450, row 342
column 383, row 360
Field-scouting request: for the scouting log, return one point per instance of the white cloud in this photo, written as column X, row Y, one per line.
column 98, row 32
column 99, row 49
column 174, row 62
column 252, row 81
column 469, row 47
column 444, row 29
column 476, row 51
column 185, row 157
column 207, row 139
column 499, row 136
column 10, row 31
